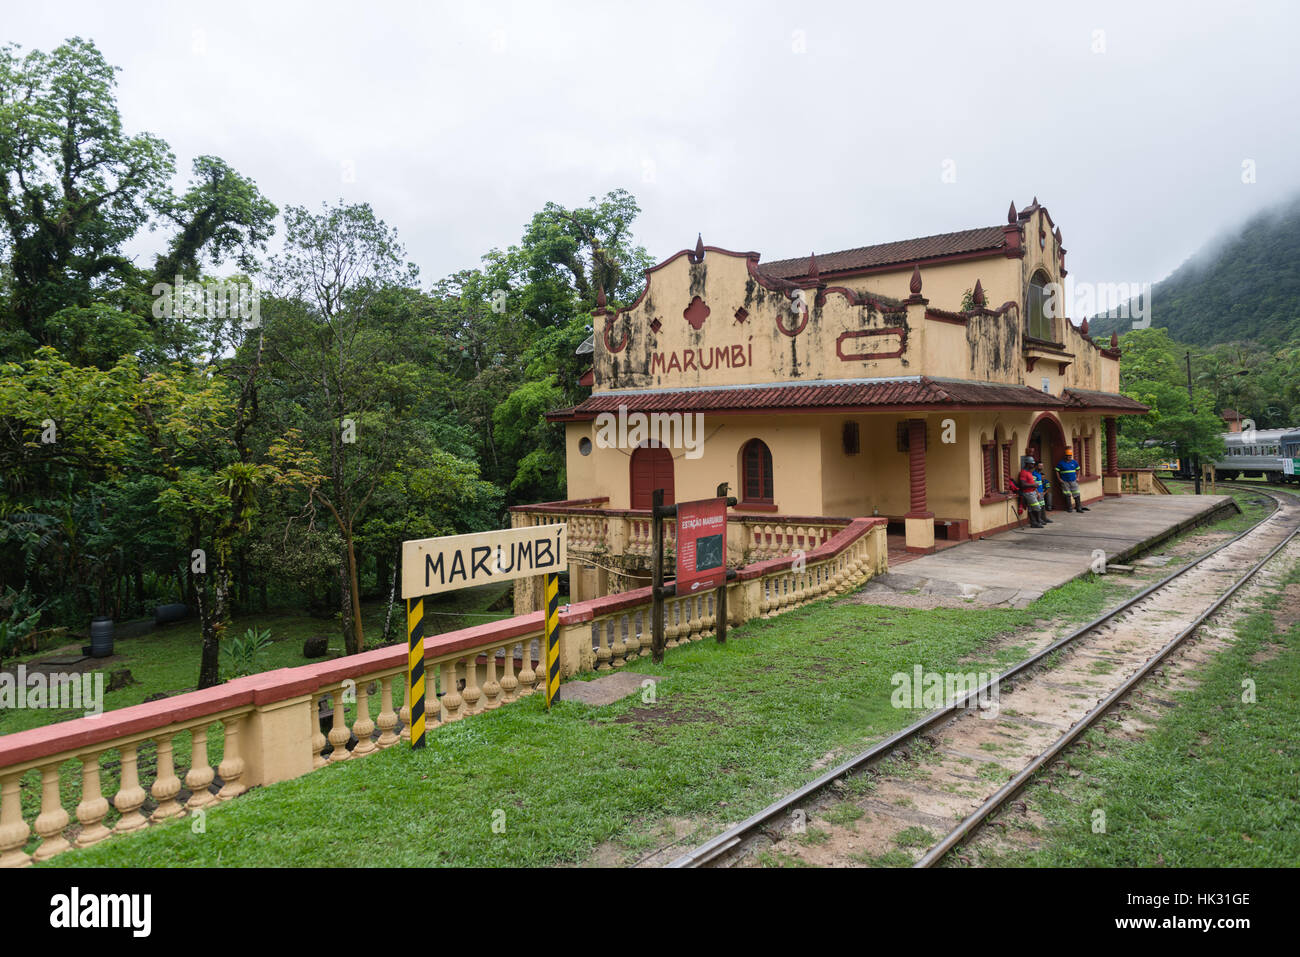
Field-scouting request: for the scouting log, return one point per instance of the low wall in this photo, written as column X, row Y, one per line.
column 269, row 722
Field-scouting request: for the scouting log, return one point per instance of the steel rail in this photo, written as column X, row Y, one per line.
column 732, row 837
column 977, row 817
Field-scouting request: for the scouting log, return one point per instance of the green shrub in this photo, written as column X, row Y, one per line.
column 246, row 655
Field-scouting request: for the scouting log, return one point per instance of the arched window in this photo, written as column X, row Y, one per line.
column 1040, row 325
column 756, row 468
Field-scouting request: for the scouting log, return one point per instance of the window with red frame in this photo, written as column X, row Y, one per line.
column 756, row 460
column 1006, row 465
column 990, row 469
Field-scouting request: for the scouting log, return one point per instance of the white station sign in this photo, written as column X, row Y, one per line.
column 432, row 565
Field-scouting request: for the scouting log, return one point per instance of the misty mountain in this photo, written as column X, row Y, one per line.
column 1243, row 286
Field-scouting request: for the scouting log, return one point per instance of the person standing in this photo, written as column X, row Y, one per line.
column 1027, row 486
column 1042, row 489
column 1067, row 470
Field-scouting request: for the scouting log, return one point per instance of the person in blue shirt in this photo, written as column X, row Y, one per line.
column 1067, row 470
column 1043, row 491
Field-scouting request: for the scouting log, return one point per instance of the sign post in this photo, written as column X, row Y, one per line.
column 415, row 668
column 550, row 654
column 433, row 565
column 701, row 558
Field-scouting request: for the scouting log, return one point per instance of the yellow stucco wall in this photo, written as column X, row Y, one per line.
column 652, row 345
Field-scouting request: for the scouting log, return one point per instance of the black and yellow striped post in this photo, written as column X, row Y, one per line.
column 415, row 668
column 552, row 656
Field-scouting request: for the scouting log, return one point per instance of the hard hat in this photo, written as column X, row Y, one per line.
column 1068, row 450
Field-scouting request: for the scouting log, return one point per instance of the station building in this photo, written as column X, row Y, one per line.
column 904, row 380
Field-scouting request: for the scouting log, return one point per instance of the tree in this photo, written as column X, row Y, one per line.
column 222, row 214
column 1152, row 373
column 73, row 186
column 339, row 335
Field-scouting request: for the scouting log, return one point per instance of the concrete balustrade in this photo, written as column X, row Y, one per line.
column 270, row 725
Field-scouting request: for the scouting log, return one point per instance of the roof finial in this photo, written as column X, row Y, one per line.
column 915, row 284
column 600, row 297
column 699, row 248
column 1011, row 214
column 1083, row 326
column 1035, row 202
column 1057, row 235
column 977, row 296
column 812, row 266
column 1114, row 340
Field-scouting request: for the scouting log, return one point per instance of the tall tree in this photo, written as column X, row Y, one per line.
column 73, row 185
column 340, row 335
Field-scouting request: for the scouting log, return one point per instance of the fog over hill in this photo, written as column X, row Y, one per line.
column 1243, row 286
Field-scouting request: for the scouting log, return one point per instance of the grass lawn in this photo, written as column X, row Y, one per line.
column 730, row 728
column 1215, row 784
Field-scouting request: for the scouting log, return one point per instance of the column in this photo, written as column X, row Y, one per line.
column 919, row 521
column 1110, row 480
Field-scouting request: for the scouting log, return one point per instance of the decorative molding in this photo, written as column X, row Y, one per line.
column 899, row 331
column 696, row 313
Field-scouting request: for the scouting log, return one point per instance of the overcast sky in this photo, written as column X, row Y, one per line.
column 780, row 127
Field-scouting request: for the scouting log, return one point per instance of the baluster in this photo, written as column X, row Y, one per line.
column 13, row 829
column 491, row 687
column 404, row 712
column 200, row 773
column 710, row 615
column 618, row 648
column 451, row 699
column 671, row 628
column 364, row 726
column 632, row 643
column 603, row 654
column 231, row 768
column 527, row 677
column 93, row 806
column 339, row 733
column 318, row 741
column 130, row 795
column 166, row 784
column 697, row 617
column 387, row 716
column 53, row 818
column 509, row 683
column 472, row 694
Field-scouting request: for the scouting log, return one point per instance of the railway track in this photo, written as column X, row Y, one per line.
column 1043, row 704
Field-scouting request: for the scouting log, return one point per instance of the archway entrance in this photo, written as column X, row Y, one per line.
column 651, row 468
column 1047, row 445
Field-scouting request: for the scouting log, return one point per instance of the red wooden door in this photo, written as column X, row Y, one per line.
column 652, row 468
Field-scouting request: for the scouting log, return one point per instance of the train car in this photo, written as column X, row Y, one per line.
column 1257, row 453
column 1291, row 456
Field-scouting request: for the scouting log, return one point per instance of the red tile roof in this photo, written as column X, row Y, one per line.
column 914, row 392
column 904, row 252
column 1110, row 401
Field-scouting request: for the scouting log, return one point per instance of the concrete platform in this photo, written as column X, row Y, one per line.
column 1015, row 567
